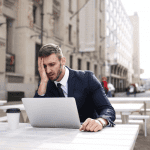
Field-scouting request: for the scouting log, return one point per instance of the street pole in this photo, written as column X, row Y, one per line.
column 110, row 73
column 42, row 14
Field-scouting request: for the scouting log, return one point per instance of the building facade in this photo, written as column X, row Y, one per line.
column 88, row 32
column 136, row 51
column 119, row 46
column 20, row 40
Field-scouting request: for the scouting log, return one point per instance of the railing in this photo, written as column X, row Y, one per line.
column 10, row 62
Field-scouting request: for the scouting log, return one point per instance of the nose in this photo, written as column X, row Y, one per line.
column 48, row 69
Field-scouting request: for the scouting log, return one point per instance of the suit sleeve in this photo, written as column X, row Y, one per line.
column 101, row 103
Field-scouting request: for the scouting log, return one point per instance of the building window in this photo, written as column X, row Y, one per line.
column 100, row 27
column 9, row 35
column 88, row 65
column 34, row 13
column 79, row 64
column 70, row 30
column 70, row 6
column 71, row 61
column 100, row 5
column 100, row 51
column 95, row 70
column 107, row 31
column 107, row 16
column 37, row 48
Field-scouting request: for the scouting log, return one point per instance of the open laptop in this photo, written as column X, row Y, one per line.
column 52, row 112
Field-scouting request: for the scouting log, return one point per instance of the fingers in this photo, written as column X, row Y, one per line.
column 91, row 125
column 39, row 61
column 85, row 124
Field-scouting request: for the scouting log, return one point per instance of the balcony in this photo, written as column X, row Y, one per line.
column 10, row 62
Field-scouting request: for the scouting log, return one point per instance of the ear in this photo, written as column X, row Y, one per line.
column 63, row 60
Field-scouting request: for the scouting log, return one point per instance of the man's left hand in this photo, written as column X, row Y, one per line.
column 91, row 125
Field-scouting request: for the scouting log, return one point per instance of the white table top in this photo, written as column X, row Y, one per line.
column 127, row 107
column 129, row 99
column 20, row 106
column 26, row 138
column 2, row 102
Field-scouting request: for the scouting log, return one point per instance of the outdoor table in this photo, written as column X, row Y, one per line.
column 2, row 102
column 120, row 137
column 126, row 109
column 131, row 100
column 20, row 106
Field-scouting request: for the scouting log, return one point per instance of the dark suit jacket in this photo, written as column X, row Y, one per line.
column 89, row 94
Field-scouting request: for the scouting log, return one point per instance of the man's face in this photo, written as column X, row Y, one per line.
column 53, row 67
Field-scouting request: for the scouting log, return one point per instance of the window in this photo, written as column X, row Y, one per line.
column 34, row 13
column 100, row 51
column 100, row 5
column 70, row 28
column 71, row 61
column 107, row 32
column 115, row 12
column 70, row 6
column 100, row 26
column 95, row 70
column 111, row 6
column 9, row 35
column 88, row 65
column 111, row 36
column 37, row 48
column 107, row 16
column 79, row 64
column 111, row 21
column 115, row 26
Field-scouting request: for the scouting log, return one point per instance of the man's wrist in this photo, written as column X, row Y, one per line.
column 103, row 121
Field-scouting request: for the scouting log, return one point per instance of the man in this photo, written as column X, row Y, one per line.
column 57, row 80
column 104, row 84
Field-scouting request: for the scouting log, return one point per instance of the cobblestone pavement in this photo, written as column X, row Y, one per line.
column 142, row 142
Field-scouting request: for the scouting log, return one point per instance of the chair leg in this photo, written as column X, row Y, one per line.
column 145, row 127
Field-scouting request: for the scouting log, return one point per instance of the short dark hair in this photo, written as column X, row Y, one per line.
column 49, row 49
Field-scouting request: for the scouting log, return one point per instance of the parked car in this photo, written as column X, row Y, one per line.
column 112, row 89
column 131, row 89
column 142, row 89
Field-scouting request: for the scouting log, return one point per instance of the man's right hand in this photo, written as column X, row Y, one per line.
column 43, row 75
column 42, row 71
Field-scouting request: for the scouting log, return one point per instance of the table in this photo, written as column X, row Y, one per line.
column 20, row 106
column 120, row 137
column 2, row 102
column 131, row 100
column 126, row 110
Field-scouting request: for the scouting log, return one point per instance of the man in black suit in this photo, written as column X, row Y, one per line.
column 57, row 80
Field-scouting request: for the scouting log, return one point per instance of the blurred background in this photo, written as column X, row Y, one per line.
column 103, row 36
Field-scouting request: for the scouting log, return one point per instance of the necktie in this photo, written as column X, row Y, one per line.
column 61, row 94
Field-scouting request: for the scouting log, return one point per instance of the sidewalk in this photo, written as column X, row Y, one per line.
column 120, row 94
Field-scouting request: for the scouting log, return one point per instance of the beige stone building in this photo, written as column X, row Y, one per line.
column 119, row 46
column 136, row 52
column 88, row 32
column 20, row 40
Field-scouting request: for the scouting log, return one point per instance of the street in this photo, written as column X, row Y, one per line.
column 142, row 143
column 123, row 94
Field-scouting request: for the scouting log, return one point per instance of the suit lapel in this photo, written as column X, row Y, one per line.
column 71, row 83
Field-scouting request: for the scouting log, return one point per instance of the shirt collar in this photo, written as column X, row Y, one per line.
column 64, row 79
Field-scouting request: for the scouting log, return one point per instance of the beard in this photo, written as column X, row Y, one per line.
column 58, row 73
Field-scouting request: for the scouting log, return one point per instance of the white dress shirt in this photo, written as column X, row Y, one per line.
column 64, row 82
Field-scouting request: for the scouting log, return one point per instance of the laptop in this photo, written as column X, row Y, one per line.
column 52, row 112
